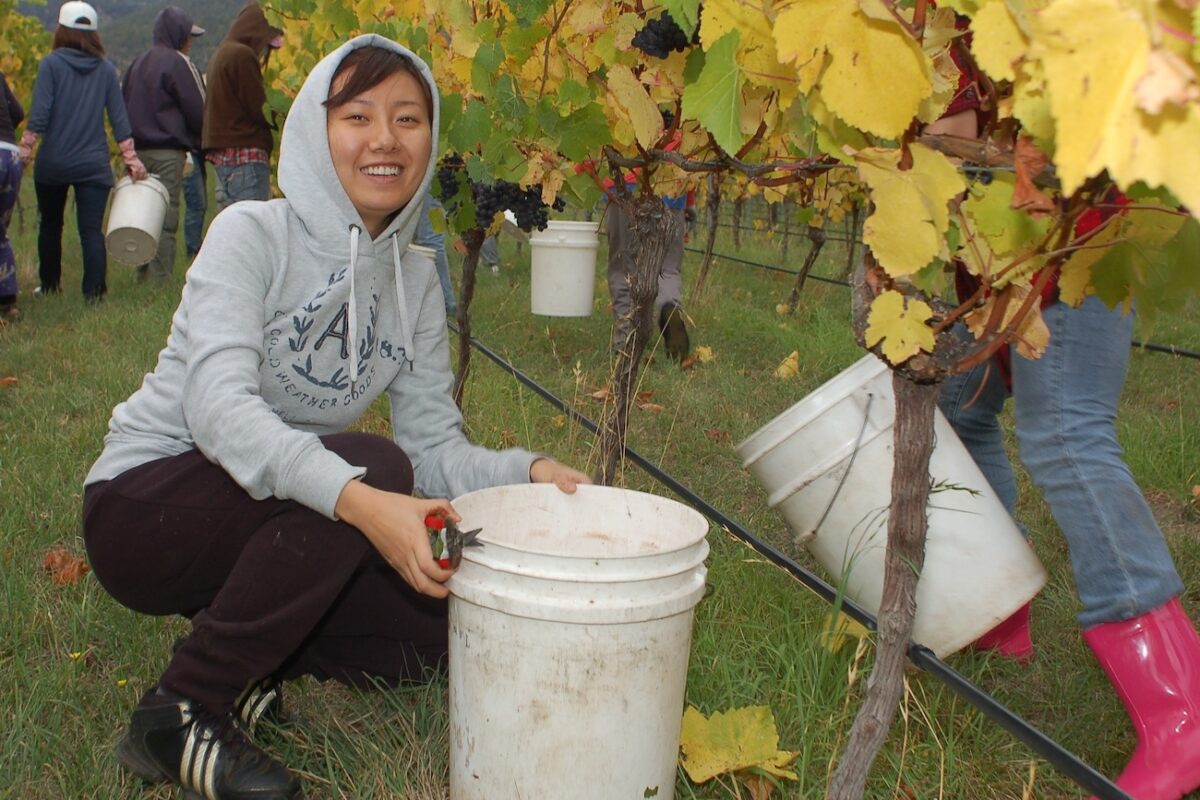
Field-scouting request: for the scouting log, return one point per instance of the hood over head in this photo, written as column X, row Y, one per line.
column 306, row 172
column 172, row 27
column 250, row 27
column 310, row 182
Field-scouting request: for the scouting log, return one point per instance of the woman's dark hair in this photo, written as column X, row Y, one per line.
column 87, row 41
column 370, row 66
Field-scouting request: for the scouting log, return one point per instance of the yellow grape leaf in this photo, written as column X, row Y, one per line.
column 789, row 367
column 730, row 741
column 838, row 628
column 877, row 75
column 1030, row 104
column 1032, row 335
column 756, row 47
column 1006, row 230
column 997, row 40
column 908, row 227
column 705, row 354
column 1095, row 53
column 900, row 323
column 633, row 100
column 1075, row 277
column 1168, row 79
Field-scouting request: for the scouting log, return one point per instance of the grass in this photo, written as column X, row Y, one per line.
column 73, row 662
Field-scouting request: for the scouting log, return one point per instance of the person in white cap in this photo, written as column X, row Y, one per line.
column 165, row 100
column 75, row 87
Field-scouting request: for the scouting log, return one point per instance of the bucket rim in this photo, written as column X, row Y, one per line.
column 151, row 182
column 697, row 527
column 772, row 433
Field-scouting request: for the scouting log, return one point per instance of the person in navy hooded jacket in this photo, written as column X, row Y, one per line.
column 165, row 101
column 75, row 87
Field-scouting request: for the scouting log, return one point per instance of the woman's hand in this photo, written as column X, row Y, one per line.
column 137, row 170
column 547, row 470
column 26, row 145
column 395, row 525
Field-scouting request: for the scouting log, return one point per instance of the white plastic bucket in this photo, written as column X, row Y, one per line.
column 563, row 276
column 135, row 219
column 827, row 462
column 570, row 632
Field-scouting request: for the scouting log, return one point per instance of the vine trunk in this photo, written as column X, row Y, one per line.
column 651, row 226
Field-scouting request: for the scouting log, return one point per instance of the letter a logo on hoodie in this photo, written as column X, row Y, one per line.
column 338, row 328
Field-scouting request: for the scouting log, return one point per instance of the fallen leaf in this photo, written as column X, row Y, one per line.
column 733, row 740
column 783, row 309
column 655, row 407
column 717, row 435
column 558, row 420
column 64, row 566
column 789, row 367
column 705, row 354
column 689, row 361
column 760, row 786
column 1196, row 492
column 604, row 394
column 9, row 380
column 646, row 395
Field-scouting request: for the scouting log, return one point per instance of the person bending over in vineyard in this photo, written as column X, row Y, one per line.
column 228, row 491
column 669, row 301
column 1066, row 406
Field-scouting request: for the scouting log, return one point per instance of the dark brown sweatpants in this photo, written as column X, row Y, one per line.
column 272, row 587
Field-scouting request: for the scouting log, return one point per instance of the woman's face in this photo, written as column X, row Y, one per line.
column 380, row 142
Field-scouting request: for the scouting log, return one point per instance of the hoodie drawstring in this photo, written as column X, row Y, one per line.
column 353, row 310
column 405, row 328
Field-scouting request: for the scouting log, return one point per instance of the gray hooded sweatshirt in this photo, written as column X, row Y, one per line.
column 292, row 321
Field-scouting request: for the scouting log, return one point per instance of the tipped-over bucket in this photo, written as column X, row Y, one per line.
column 827, row 466
column 569, row 638
column 135, row 219
column 563, row 274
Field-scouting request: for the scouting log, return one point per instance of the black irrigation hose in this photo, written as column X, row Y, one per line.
column 1067, row 762
column 1170, row 349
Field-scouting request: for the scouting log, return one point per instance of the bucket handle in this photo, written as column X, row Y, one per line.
column 803, row 537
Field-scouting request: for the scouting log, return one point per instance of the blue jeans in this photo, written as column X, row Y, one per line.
column 427, row 237
column 242, row 182
column 1066, row 408
column 90, row 201
column 195, row 202
column 10, row 185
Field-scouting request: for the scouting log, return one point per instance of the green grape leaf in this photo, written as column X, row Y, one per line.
column 686, row 14
column 472, row 127
column 715, row 98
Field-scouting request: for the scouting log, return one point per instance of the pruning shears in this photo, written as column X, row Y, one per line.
column 448, row 540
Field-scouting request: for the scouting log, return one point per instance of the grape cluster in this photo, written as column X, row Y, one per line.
column 660, row 37
column 526, row 204
column 449, row 176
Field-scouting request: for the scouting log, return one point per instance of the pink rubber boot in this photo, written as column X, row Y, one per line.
column 1011, row 637
column 1153, row 661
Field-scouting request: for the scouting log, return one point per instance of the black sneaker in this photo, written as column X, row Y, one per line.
column 674, row 331
column 262, row 701
column 170, row 738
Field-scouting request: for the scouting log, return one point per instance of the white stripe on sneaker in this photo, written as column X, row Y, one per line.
column 199, row 768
